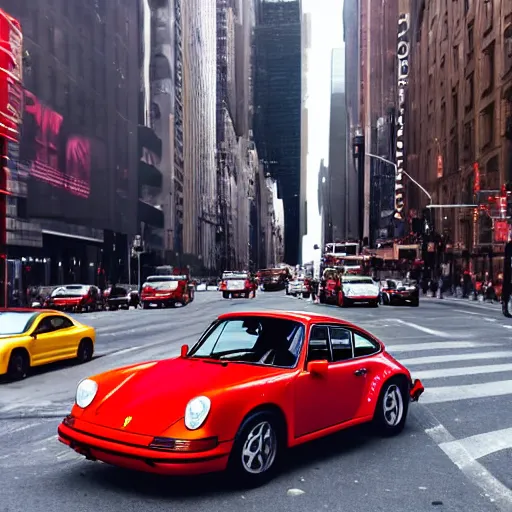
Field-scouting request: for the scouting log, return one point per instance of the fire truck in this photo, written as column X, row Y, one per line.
column 11, row 114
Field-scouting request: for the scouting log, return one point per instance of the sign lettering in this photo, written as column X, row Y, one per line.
column 402, row 52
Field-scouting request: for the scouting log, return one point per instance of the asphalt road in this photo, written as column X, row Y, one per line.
column 454, row 455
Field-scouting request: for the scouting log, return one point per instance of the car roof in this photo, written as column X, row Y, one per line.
column 298, row 316
column 31, row 310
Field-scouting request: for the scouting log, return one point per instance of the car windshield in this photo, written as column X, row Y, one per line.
column 70, row 291
column 12, row 323
column 252, row 340
column 161, row 279
column 357, row 280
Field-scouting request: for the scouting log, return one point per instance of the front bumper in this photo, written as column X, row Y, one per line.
column 361, row 298
column 416, row 390
column 162, row 299
column 132, row 451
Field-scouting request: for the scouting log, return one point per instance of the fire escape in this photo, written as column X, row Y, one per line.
column 178, row 134
column 224, row 227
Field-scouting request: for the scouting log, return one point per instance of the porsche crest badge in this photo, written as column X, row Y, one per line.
column 127, row 421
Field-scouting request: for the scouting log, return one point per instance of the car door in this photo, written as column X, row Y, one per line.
column 43, row 345
column 314, row 395
column 65, row 337
column 323, row 402
column 350, row 373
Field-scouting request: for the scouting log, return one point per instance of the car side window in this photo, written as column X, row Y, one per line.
column 364, row 346
column 341, row 341
column 318, row 348
column 45, row 326
column 60, row 322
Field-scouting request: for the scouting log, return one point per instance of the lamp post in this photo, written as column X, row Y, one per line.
column 138, row 249
column 385, row 160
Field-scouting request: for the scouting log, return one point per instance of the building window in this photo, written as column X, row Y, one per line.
column 487, row 127
column 469, row 141
column 470, row 92
column 455, row 58
column 507, row 50
column 455, row 107
column 488, row 15
column 488, row 69
column 471, row 41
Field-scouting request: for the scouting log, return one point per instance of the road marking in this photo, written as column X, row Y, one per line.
column 500, row 494
column 11, row 430
column 437, row 345
column 466, row 370
column 468, row 312
column 456, row 357
column 467, row 392
column 126, row 350
column 440, row 334
column 480, row 445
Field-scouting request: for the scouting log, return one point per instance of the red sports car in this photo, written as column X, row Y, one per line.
column 253, row 385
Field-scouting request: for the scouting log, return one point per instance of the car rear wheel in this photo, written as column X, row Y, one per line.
column 391, row 411
column 225, row 295
column 85, row 351
column 257, row 449
column 19, row 365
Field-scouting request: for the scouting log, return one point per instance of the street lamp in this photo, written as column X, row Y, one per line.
column 403, row 172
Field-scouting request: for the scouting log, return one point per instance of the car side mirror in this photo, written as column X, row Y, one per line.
column 34, row 335
column 318, row 368
column 184, row 350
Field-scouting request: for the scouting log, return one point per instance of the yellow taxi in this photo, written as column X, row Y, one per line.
column 31, row 337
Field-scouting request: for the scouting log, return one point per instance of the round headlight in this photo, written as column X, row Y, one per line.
column 196, row 412
column 85, row 393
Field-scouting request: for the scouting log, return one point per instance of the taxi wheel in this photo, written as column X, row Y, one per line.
column 19, row 365
column 85, row 351
column 256, row 452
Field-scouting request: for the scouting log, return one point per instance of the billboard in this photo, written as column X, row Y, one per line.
column 67, row 171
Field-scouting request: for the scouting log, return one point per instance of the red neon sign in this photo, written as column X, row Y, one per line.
column 11, row 76
column 476, row 184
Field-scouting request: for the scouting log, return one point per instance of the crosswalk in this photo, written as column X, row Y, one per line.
column 462, row 376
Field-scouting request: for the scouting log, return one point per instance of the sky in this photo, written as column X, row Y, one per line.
column 326, row 34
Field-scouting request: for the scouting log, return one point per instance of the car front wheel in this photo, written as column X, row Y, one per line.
column 255, row 455
column 392, row 407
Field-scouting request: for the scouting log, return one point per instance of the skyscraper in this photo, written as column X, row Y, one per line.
column 277, row 112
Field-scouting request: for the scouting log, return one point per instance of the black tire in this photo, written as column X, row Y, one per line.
column 415, row 303
column 225, row 295
column 85, row 351
column 385, row 424
column 306, row 295
column 374, row 304
column 237, row 465
column 19, row 365
column 145, row 305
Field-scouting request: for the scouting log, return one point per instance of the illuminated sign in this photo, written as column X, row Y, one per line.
column 403, row 76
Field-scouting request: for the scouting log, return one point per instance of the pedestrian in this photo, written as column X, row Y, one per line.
column 254, row 285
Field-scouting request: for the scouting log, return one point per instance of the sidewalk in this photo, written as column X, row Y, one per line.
column 450, row 300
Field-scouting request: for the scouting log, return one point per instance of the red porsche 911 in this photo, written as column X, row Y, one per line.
column 254, row 384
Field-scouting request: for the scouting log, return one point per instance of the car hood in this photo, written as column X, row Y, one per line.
column 155, row 394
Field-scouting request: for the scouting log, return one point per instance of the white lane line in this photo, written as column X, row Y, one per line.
column 499, row 494
column 125, row 351
column 480, row 445
column 10, row 430
column 460, row 372
column 433, row 332
column 456, row 357
column 467, row 392
column 437, row 345
column 468, row 312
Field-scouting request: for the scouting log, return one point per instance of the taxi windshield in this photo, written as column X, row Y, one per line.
column 12, row 323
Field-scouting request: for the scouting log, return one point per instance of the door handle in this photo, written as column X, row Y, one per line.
column 360, row 372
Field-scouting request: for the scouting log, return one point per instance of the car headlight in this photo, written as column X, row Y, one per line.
column 85, row 393
column 196, row 412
